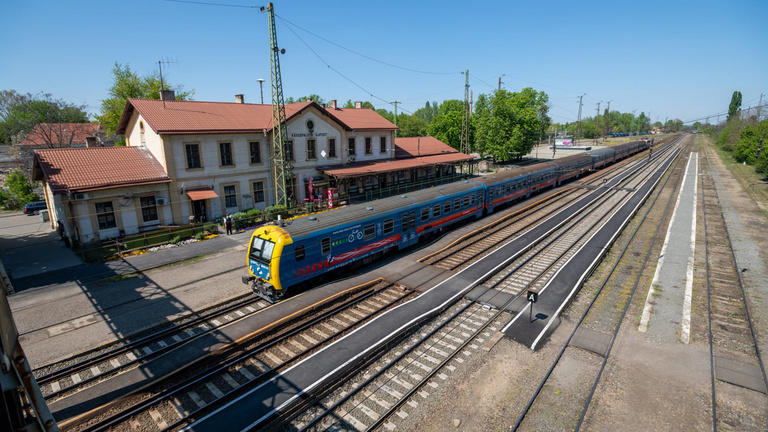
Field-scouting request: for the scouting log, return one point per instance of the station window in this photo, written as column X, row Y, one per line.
column 105, row 215
column 436, row 210
column 369, row 232
column 368, row 149
column 383, row 145
column 325, row 246
column 388, row 226
column 225, row 154
column 299, row 252
column 332, row 147
column 255, row 150
column 351, row 146
column 424, row 214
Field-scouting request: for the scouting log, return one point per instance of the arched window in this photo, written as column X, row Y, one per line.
column 141, row 133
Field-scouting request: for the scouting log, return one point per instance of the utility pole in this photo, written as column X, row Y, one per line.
column 464, row 143
column 597, row 123
column 500, row 82
column 578, row 129
column 395, row 104
column 281, row 162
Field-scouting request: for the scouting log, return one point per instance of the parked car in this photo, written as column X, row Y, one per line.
column 34, row 207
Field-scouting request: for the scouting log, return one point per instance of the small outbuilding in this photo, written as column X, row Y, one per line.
column 99, row 193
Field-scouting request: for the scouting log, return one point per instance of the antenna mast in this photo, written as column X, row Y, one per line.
column 283, row 171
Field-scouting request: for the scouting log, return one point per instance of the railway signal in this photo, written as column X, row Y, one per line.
column 533, row 297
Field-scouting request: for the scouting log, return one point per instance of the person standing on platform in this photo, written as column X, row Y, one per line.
column 228, row 223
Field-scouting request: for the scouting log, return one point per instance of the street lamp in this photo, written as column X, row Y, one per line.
column 261, row 89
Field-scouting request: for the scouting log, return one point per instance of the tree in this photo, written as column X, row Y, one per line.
column 509, row 123
column 446, row 124
column 351, row 104
column 19, row 114
column 20, row 190
column 735, row 105
column 313, row 97
column 411, row 125
column 429, row 111
column 128, row 84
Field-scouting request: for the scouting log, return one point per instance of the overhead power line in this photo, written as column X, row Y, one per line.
column 203, row 3
column 366, row 56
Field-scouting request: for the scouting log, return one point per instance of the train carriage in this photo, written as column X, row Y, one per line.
column 602, row 157
column 291, row 252
column 505, row 187
column 571, row 167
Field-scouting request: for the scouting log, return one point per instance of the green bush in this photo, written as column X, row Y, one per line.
column 199, row 236
column 176, row 239
column 20, row 191
column 271, row 212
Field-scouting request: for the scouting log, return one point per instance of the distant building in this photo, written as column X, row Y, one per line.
column 103, row 192
column 56, row 135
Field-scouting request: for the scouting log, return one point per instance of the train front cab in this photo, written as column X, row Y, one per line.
column 264, row 252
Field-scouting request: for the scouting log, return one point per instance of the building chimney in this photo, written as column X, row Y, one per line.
column 91, row 141
column 358, row 105
column 333, row 103
column 167, row 95
column 240, row 98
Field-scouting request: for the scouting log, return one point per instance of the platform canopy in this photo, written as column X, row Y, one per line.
column 396, row 165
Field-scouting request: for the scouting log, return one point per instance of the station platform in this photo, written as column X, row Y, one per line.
column 560, row 289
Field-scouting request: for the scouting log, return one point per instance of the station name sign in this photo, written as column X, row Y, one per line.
column 309, row 134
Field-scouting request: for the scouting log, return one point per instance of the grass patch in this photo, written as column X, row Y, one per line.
column 751, row 182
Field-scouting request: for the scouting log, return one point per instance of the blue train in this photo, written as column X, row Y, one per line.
column 292, row 252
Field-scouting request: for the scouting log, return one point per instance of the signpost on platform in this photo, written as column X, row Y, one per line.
column 533, row 297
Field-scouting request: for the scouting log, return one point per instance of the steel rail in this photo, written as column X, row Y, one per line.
column 166, row 393
column 424, row 338
column 741, row 288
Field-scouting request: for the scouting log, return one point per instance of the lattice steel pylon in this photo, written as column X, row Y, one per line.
column 281, row 161
column 464, row 144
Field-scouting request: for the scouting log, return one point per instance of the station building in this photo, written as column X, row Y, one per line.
column 192, row 161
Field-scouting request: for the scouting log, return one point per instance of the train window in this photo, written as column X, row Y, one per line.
column 457, row 204
column 466, row 201
column 266, row 253
column 424, row 214
column 413, row 220
column 261, row 249
column 299, row 252
column 509, row 187
column 471, row 199
column 369, row 232
column 325, row 246
column 447, row 208
column 490, row 193
column 405, row 222
column 388, row 226
column 436, row 210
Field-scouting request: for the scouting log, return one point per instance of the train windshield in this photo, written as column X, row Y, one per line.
column 261, row 249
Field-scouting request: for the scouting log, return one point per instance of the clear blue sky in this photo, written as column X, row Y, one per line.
column 673, row 58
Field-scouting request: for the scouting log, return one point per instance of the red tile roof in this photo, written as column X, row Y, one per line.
column 60, row 134
column 84, row 169
column 395, row 165
column 207, row 117
column 361, row 118
column 420, row 146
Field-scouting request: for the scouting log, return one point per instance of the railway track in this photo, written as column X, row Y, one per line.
column 77, row 374
column 610, row 325
column 375, row 392
column 471, row 247
column 170, row 406
column 731, row 331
